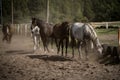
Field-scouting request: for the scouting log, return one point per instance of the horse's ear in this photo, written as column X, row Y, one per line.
column 33, row 18
column 64, row 23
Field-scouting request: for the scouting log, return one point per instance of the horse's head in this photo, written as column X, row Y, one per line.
column 95, row 39
column 33, row 24
column 34, row 21
column 99, row 47
column 66, row 25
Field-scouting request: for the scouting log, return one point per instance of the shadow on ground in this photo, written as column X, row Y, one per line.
column 50, row 57
column 13, row 52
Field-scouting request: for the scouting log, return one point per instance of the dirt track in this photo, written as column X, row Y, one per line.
column 18, row 62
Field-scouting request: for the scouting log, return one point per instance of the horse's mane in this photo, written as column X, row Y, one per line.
column 94, row 35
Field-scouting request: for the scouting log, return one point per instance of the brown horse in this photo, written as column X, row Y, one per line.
column 61, row 33
column 7, row 32
column 46, row 30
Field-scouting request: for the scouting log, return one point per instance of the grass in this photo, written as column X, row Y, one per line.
column 106, row 31
column 108, row 36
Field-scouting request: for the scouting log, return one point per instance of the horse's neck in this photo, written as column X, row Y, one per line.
column 95, row 40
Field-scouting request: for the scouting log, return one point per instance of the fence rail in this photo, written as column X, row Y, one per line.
column 24, row 29
column 106, row 24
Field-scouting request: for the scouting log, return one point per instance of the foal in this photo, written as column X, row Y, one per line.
column 36, row 36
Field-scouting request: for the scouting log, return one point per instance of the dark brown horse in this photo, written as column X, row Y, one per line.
column 46, row 30
column 61, row 33
column 7, row 32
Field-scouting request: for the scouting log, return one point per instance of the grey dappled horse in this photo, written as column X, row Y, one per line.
column 84, row 34
column 36, row 36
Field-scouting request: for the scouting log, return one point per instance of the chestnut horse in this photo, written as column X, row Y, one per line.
column 46, row 30
column 7, row 32
column 61, row 33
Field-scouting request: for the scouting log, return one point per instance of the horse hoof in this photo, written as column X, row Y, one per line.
column 52, row 50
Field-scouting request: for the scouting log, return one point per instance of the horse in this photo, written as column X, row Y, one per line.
column 46, row 30
column 36, row 36
column 61, row 33
column 84, row 34
column 7, row 32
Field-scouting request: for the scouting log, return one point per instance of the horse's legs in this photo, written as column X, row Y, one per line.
column 67, row 41
column 59, row 46
column 72, row 44
column 86, row 50
column 4, row 37
column 46, row 44
column 62, row 46
column 38, row 41
column 56, row 41
column 52, row 43
column 79, row 49
column 47, row 48
column 35, row 43
column 9, row 38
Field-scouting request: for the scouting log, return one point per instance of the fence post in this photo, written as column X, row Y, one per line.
column 119, row 37
column 106, row 25
column 18, row 29
column 25, row 29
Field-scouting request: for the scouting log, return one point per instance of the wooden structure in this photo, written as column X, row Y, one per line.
column 119, row 37
column 21, row 29
column 106, row 24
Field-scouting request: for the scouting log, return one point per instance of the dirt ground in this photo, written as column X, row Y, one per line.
column 18, row 62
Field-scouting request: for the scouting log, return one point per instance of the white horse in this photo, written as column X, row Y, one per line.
column 84, row 34
column 36, row 36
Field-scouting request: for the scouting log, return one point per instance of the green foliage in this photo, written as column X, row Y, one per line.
column 62, row 10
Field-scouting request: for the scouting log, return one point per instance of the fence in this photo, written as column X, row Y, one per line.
column 119, row 37
column 106, row 24
column 22, row 29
